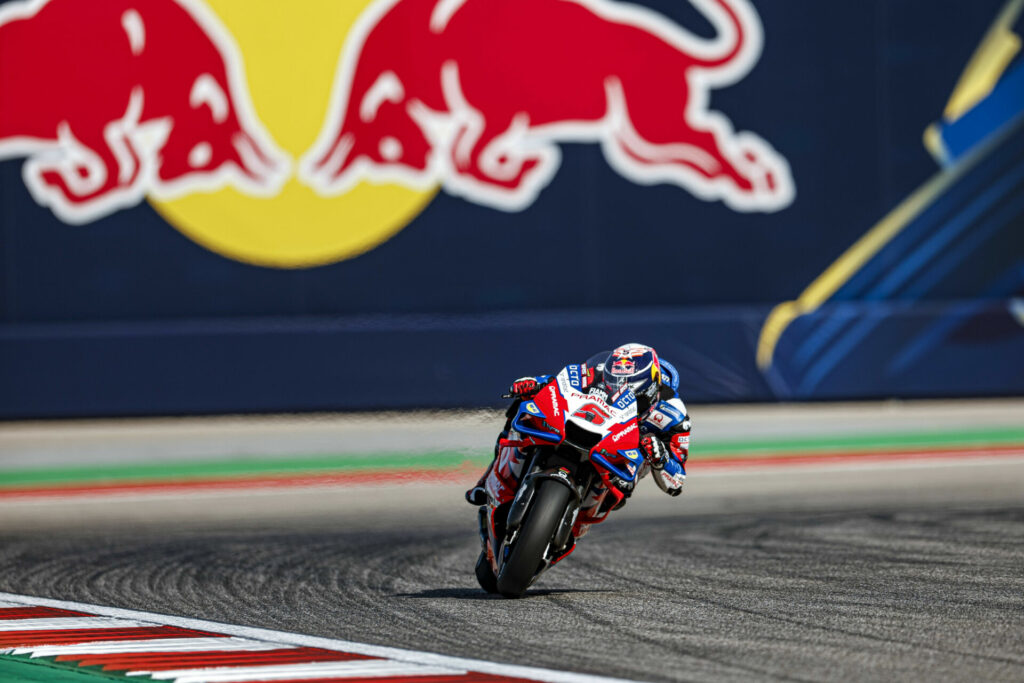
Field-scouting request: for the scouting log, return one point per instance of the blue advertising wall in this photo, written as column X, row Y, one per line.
column 896, row 270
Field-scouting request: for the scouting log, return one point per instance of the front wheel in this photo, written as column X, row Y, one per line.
column 536, row 532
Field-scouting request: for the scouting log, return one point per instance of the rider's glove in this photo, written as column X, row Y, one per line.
column 679, row 443
column 654, row 451
column 524, row 386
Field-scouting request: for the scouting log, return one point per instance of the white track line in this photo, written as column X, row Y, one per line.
column 294, row 672
column 67, row 623
column 426, row 659
column 116, row 647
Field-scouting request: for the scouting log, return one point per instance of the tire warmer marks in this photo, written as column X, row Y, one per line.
column 150, row 647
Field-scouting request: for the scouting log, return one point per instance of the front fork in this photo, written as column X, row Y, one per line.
column 495, row 535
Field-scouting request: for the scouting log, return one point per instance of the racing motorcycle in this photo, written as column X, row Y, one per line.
column 580, row 446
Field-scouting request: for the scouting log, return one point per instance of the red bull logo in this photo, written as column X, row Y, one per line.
column 150, row 100
column 115, row 103
column 623, row 366
column 480, row 93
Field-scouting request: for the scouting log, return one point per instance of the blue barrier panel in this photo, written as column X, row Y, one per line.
column 791, row 200
column 350, row 364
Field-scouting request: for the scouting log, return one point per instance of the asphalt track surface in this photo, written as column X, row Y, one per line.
column 912, row 572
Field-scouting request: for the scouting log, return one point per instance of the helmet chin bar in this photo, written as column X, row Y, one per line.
column 643, row 405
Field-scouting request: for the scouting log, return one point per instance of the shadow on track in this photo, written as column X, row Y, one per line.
column 479, row 594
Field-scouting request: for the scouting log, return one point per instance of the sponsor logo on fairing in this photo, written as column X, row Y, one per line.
column 555, row 411
column 621, row 435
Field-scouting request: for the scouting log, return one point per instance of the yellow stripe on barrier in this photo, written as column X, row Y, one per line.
column 983, row 71
column 995, row 52
column 854, row 258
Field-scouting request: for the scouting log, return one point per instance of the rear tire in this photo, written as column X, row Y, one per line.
column 485, row 575
column 542, row 519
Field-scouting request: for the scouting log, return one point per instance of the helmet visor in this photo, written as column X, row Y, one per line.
column 638, row 371
column 620, row 372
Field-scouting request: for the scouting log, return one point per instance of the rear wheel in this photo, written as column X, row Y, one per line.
column 485, row 575
column 538, row 528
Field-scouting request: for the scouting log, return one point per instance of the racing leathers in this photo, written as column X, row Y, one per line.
column 664, row 438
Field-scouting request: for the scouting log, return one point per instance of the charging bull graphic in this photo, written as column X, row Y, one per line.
column 476, row 94
column 114, row 100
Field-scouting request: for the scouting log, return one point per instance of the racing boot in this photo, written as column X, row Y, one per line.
column 478, row 494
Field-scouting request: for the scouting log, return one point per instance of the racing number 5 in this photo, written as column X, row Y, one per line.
column 592, row 413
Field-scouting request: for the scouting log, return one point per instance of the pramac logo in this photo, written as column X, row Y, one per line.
column 124, row 100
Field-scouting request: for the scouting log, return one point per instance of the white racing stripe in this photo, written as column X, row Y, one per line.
column 105, row 647
column 865, row 462
column 67, row 623
column 10, row 604
column 424, row 663
column 296, row 672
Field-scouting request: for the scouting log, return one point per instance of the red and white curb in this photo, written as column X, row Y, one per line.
column 157, row 647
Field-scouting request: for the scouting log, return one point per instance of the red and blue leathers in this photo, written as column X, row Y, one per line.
column 664, row 429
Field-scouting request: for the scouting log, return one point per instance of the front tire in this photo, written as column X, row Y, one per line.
column 526, row 557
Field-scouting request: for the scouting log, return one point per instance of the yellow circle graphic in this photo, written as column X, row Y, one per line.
column 291, row 54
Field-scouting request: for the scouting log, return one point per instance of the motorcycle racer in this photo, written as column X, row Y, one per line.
column 664, row 423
